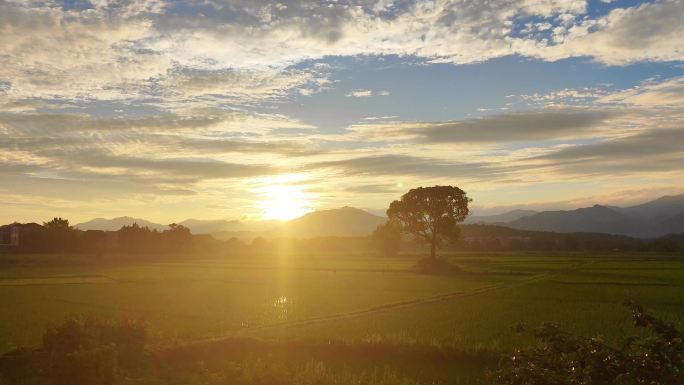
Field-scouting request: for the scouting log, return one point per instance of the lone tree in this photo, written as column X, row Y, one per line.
column 431, row 214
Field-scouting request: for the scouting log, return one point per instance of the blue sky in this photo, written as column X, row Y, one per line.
column 235, row 108
column 444, row 91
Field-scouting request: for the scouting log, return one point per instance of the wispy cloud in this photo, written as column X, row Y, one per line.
column 513, row 127
column 363, row 93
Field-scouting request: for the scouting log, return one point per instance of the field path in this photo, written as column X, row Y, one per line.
column 450, row 296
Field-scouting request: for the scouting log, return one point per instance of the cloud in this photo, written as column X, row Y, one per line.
column 647, row 32
column 360, row 93
column 373, row 189
column 653, row 150
column 196, row 87
column 363, row 93
column 260, row 34
column 550, row 124
column 243, row 86
column 81, row 190
column 185, row 168
column 51, row 52
column 182, row 150
column 199, row 121
column 651, row 93
column 396, row 164
column 240, row 52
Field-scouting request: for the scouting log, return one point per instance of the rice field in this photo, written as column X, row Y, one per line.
column 349, row 299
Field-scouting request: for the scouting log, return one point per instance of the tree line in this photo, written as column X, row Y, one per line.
column 58, row 236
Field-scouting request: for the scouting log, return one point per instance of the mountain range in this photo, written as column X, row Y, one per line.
column 500, row 218
column 115, row 224
column 345, row 221
column 656, row 218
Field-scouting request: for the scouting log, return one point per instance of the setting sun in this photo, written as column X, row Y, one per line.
column 284, row 198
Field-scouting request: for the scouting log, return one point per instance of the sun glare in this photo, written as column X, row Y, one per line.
column 284, row 197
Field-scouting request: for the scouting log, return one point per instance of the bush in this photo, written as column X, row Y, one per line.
column 565, row 359
column 79, row 351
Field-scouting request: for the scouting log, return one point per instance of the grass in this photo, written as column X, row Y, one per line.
column 347, row 299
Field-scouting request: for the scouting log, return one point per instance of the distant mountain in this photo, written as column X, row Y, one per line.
column 657, row 210
column 596, row 219
column 345, row 221
column 656, row 218
column 651, row 219
column 201, row 226
column 115, row 224
column 500, row 218
column 672, row 225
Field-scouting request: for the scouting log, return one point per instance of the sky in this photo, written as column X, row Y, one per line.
column 250, row 109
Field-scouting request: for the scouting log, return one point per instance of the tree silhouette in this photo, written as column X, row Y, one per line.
column 431, row 214
column 386, row 239
column 57, row 224
column 178, row 238
column 59, row 235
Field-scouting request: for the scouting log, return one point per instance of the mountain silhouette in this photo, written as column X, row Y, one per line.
column 115, row 224
column 345, row 221
column 672, row 225
column 595, row 219
column 201, row 226
column 500, row 218
column 656, row 218
column 658, row 210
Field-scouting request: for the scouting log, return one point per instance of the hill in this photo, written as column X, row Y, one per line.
column 500, row 218
column 201, row 226
column 343, row 222
column 115, row 224
column 597, row 219
column 656, row 218
column 672, row 225
column 658, row 210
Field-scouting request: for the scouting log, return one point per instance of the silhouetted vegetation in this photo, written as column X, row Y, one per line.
column 57, row 236
column 387, row 239
column 566, row 359
column 86, row 351
column 430, row 214
column 81, row 351
column 499, row 238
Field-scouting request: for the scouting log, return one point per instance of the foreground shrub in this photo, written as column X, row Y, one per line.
column 80, row 351
column 565, row 359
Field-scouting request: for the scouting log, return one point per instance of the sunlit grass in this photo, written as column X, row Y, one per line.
column 201, row 298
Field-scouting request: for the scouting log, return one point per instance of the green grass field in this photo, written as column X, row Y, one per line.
column 352, row 299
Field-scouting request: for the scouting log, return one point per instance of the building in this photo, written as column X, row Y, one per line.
column 21, row 236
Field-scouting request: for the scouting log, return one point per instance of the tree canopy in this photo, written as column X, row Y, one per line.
column 431, row 214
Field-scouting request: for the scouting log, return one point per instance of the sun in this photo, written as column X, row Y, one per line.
column 282, row 198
